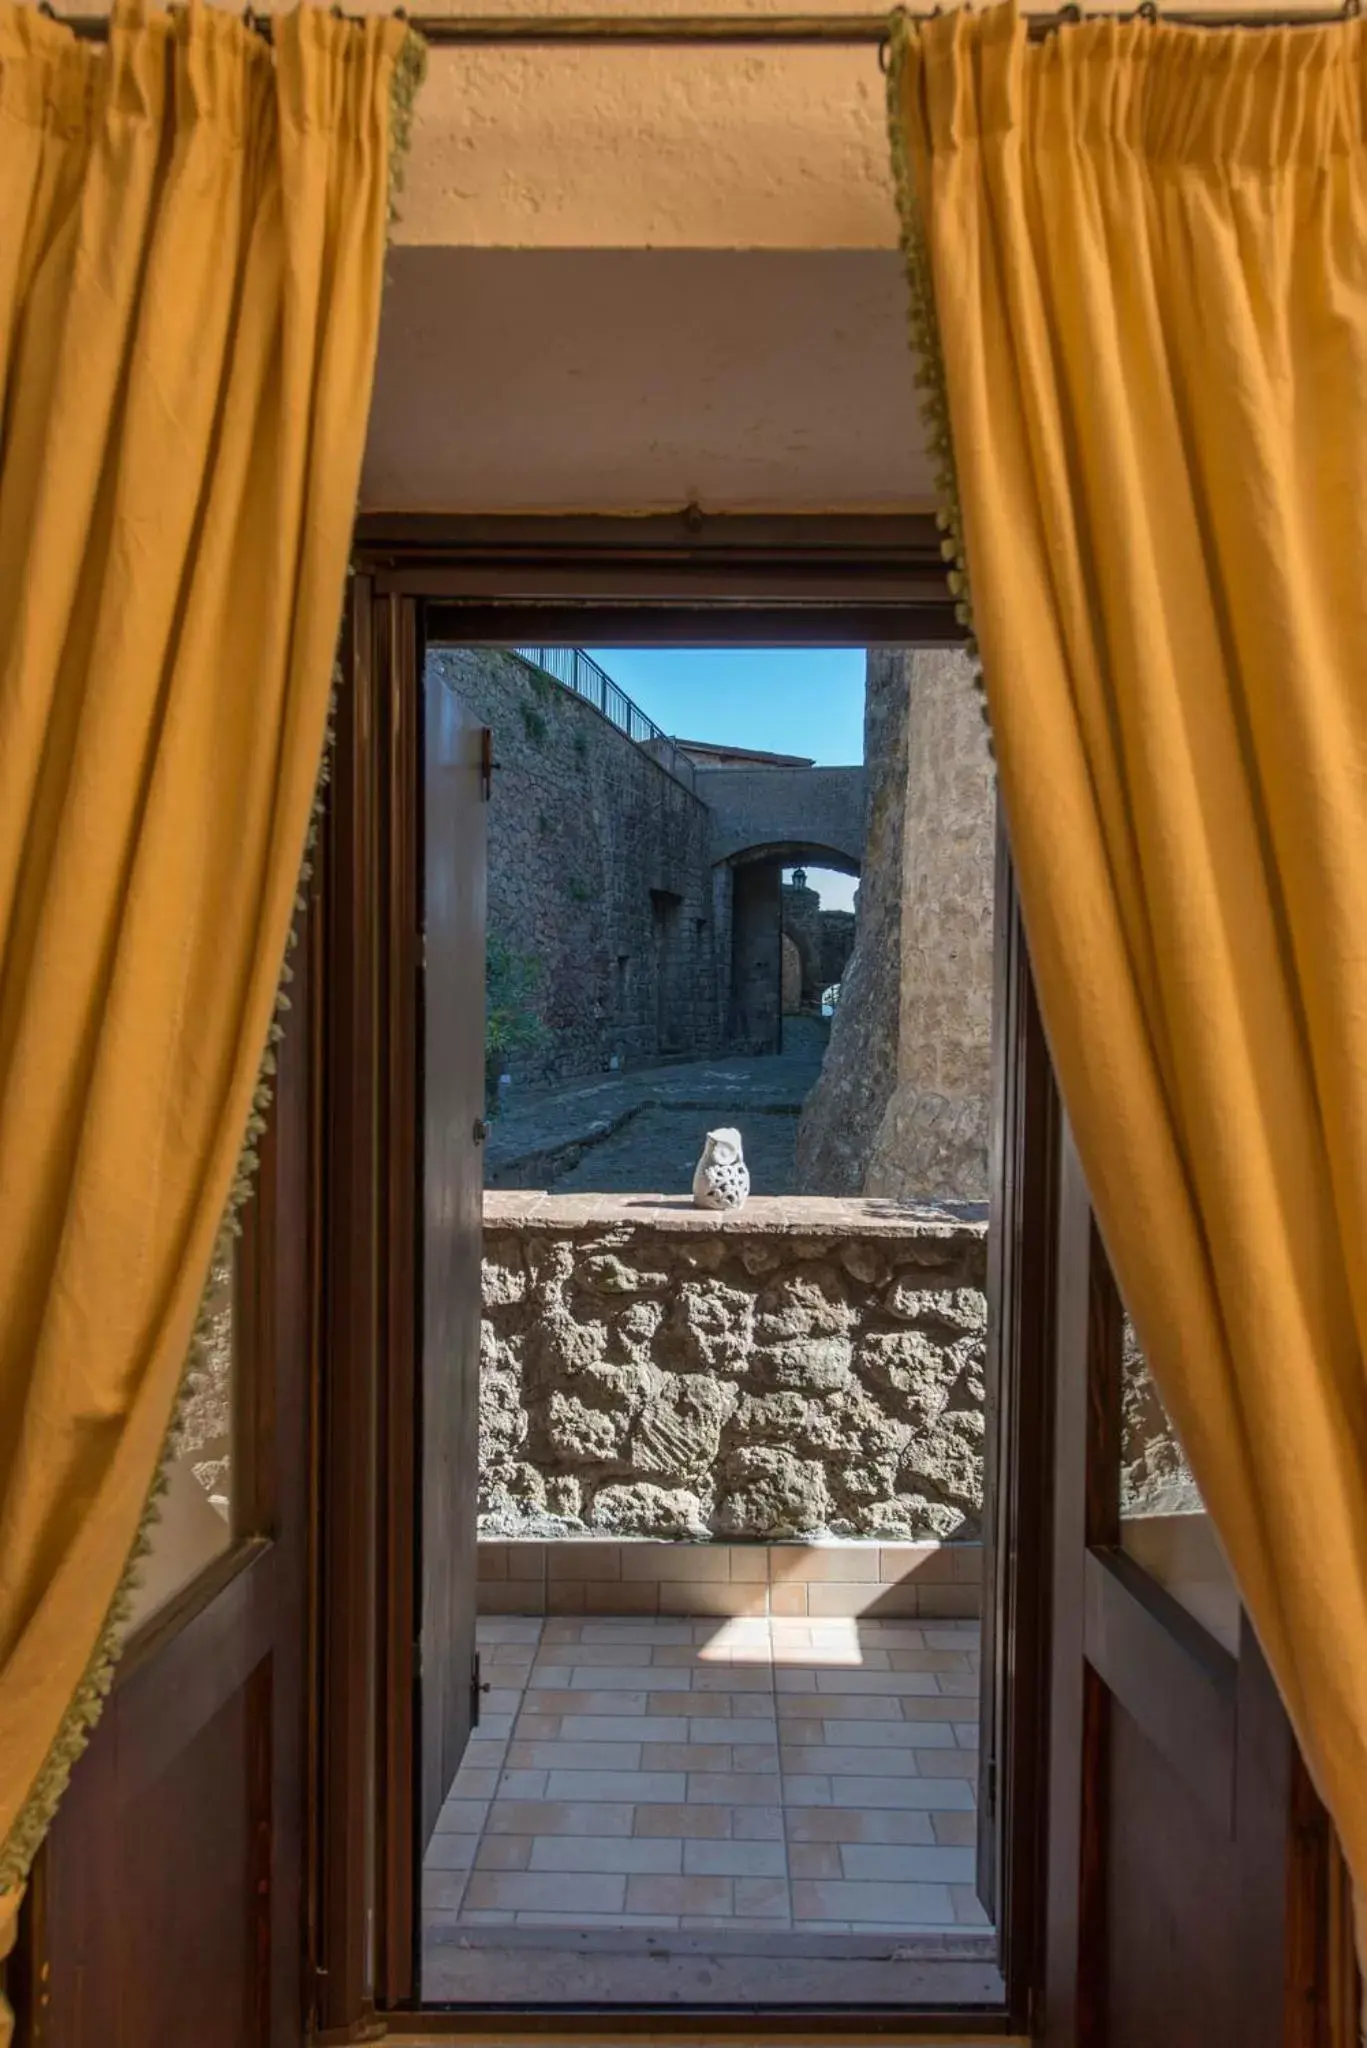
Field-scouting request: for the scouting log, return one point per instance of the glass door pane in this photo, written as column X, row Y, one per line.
column 1164, row 1525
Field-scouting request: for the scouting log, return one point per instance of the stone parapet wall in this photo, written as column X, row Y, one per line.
column 807, row 1368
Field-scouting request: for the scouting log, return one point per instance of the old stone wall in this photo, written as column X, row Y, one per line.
column 902, row 1105
column 801, row 808
column 837, row 944
column 843, row 1112
column 754, row 1023
column 932, row 1141
column 802, row 924
column 806, row 1367
column 599, row 872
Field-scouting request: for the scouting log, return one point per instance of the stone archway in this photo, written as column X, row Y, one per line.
column 753, row 910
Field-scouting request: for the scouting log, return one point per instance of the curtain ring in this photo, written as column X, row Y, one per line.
column 884, row 55
column 1351, row 9
column 1147, row 10
column 1070, row 12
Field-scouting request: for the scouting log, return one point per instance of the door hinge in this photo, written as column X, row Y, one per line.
column 477, row 1686
column 990, row 1786
column 487, row 763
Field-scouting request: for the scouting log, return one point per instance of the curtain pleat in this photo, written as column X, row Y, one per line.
column 192, row 231
column 1144, row 249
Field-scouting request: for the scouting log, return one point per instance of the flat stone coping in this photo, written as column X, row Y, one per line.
column 809, row 1216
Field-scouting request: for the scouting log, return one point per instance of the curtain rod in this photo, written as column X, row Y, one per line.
column 718, row 30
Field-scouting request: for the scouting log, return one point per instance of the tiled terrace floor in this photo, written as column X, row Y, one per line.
column 750, row 1775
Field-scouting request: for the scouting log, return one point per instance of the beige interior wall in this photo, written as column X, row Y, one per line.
column 627, row 279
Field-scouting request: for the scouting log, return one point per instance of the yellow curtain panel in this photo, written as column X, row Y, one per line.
column 1145, row 249
column 192, row 234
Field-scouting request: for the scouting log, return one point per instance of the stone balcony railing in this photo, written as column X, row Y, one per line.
column 809, row 1368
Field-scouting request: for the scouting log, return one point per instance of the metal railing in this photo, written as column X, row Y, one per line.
column 577, row 671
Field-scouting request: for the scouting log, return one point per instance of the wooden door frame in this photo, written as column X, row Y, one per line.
column 1215, row 1717
column 215, row 1631
column 685, row 579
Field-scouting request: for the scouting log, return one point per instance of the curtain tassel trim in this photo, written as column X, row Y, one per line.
column 87, row 1703
column 929, row 374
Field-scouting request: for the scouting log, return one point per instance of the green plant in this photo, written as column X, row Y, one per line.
column 579, row 890
column 581, row 745
column 534, row 723
column 512, row 1025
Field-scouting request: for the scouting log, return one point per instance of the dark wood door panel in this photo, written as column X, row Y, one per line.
column 1171, row 1884
column 168, row 1902
column 1173, row 1680
column 1188, row 1857
column 452, row 1095
column 156, row 1884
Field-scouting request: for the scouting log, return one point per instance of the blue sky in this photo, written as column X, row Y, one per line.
column 789, row 700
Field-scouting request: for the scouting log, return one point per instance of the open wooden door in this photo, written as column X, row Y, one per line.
column 1192, row 1892
column 1022, row 1179
column 168, row 1903
column 454, row 782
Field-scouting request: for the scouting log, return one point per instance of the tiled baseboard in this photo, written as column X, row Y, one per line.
column 942, row 1581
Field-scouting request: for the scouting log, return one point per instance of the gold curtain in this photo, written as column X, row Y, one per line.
column 1146, row 251
column 192, row 233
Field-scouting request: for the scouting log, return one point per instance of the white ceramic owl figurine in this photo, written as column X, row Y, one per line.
column 721, row 1179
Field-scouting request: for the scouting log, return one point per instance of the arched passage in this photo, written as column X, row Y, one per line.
column 752, row 912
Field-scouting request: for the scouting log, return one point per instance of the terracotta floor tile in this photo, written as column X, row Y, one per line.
column 857, row 1824
column 679, row 1895
column 462, row 1816
column 443, row 1890
column 955, row 1829
column 626, row 1728
column 802, row 1706
column 735, row 1706
column 731, row 1788
column 686, row 1756
column 904, row 1863
column 634, row 1771
column 753, row 1823
column 894, row 1904
column 686, row 1822
column 761, row 1898
column 639, row 1787
column 504, row 1852
column 560, row 1755
column 814, row 1859
column 450, row 1852
column 528, row 1892
column 739, row 1859
column 585, row 1700
column 558, row 1817
column 625, row 1856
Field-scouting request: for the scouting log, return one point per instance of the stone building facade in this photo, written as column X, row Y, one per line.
column 638, row 910
column 599, row 873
